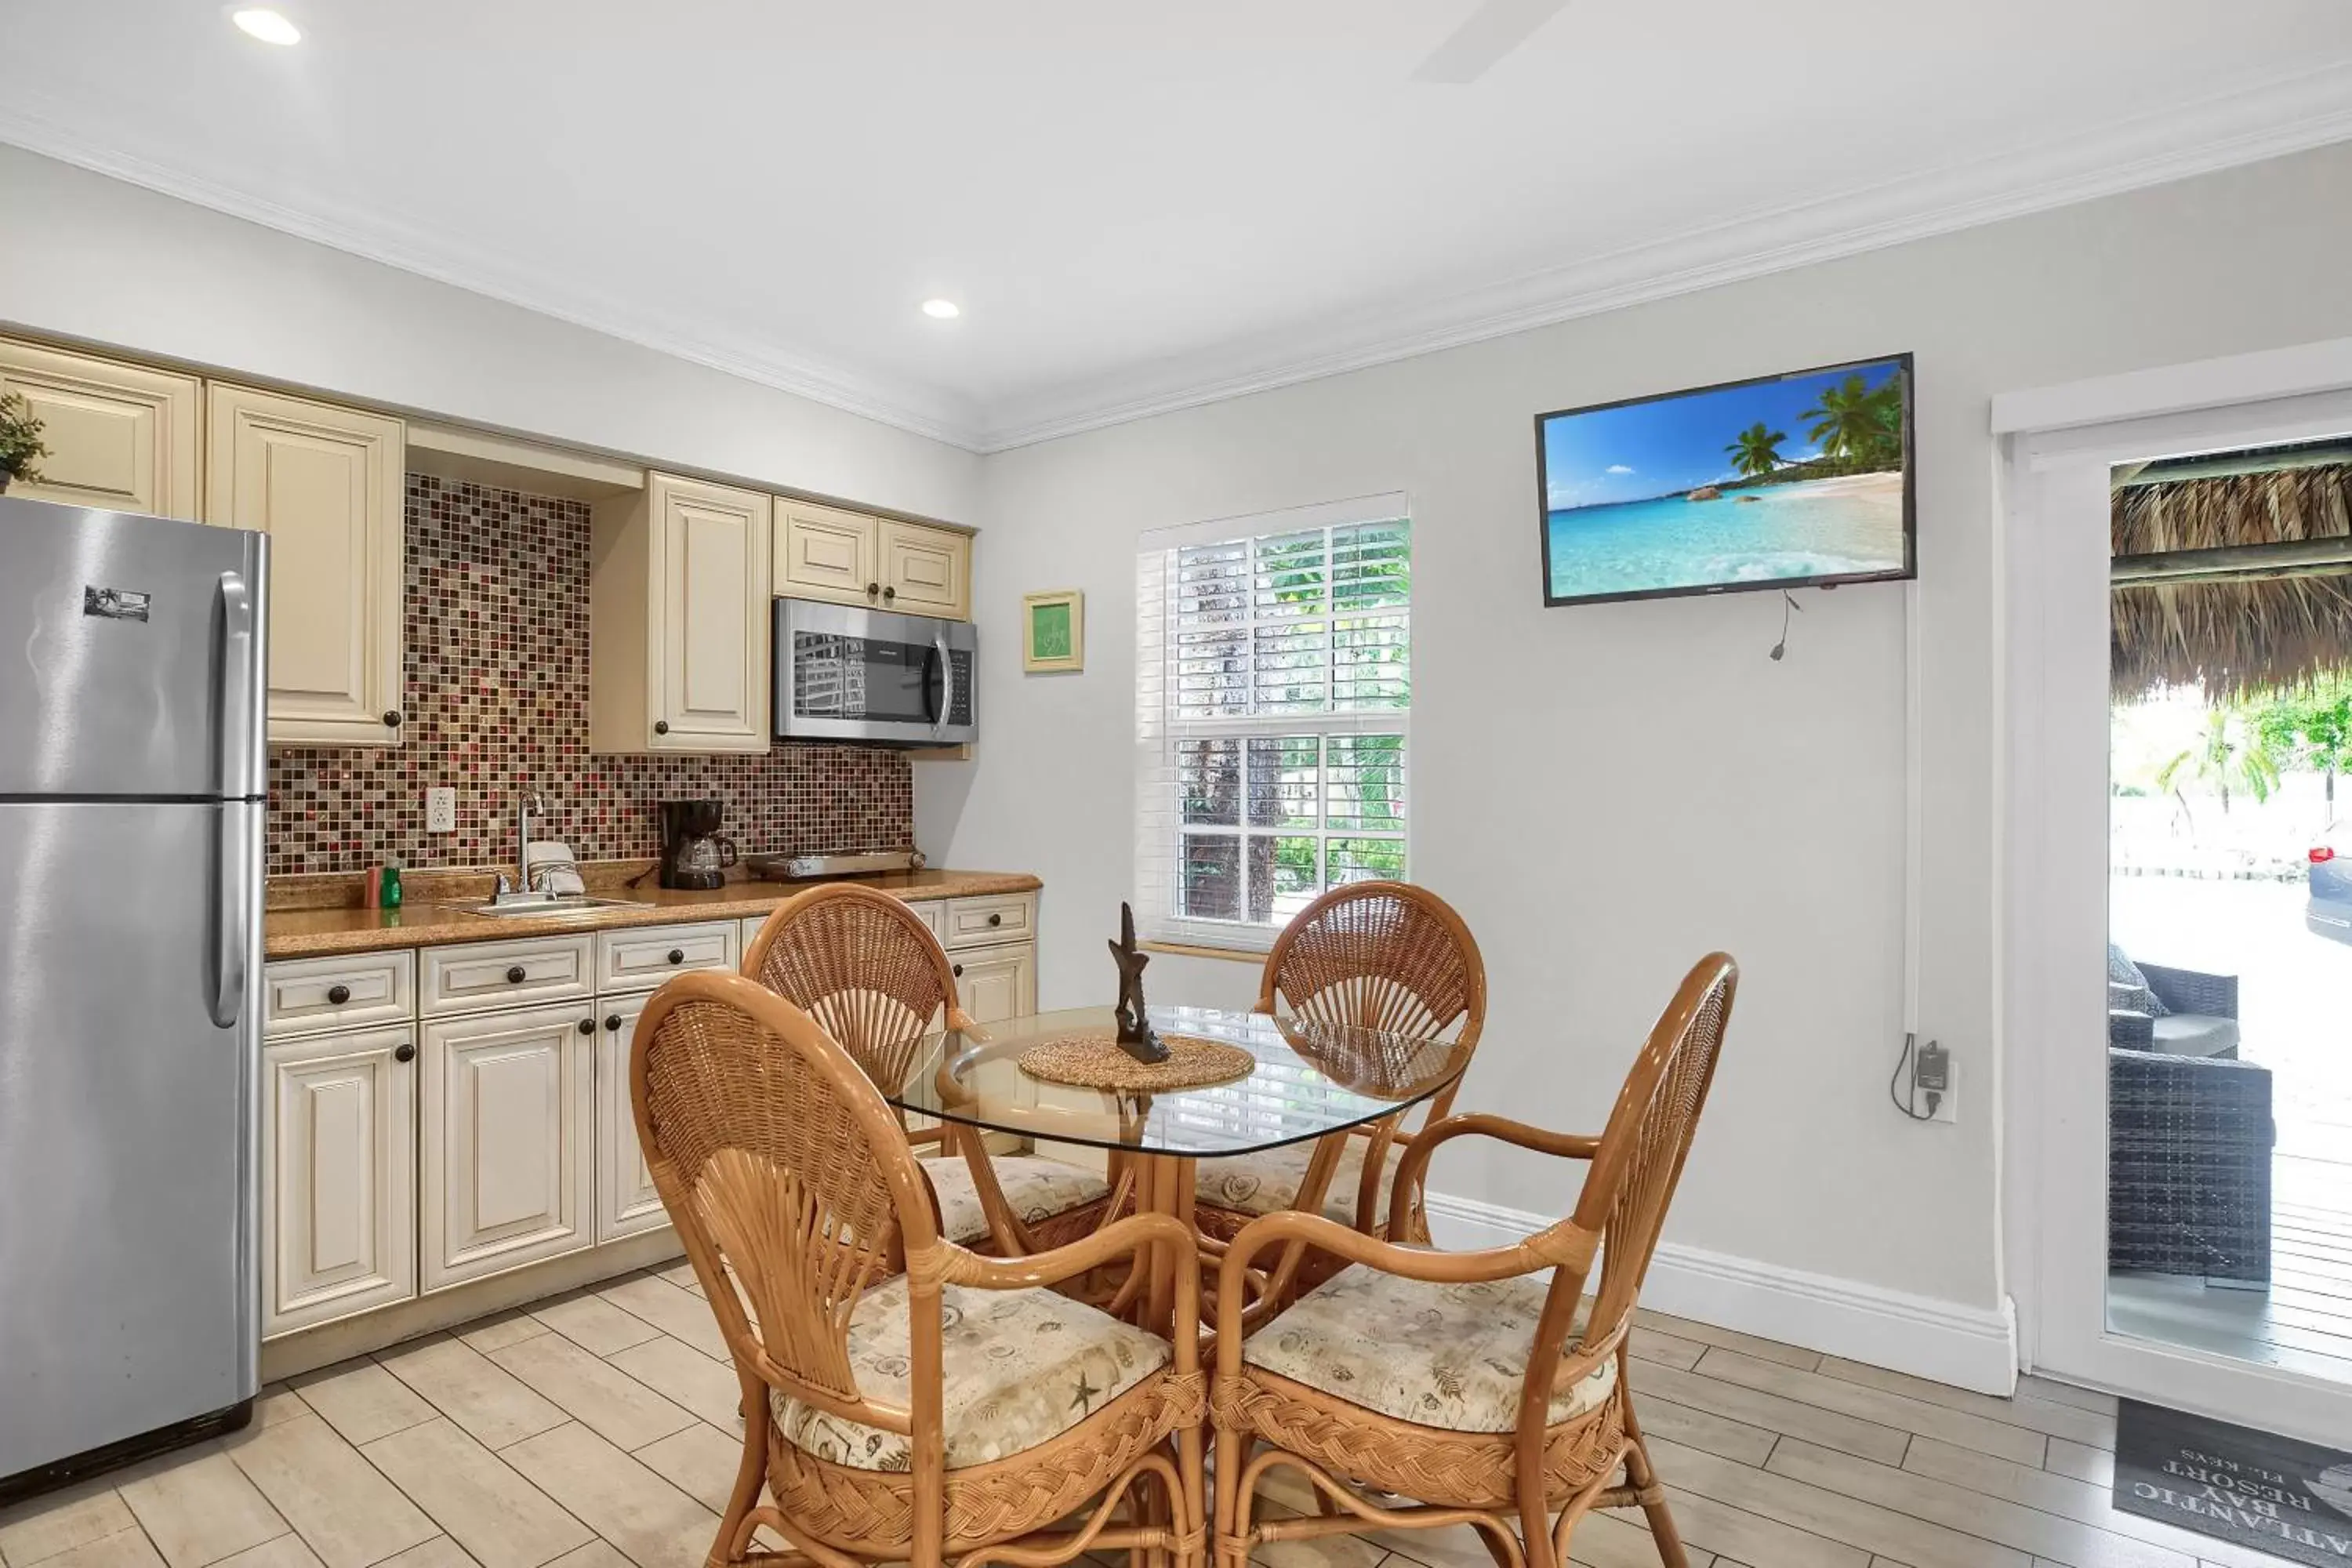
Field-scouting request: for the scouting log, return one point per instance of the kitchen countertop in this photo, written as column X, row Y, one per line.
column 318, row 932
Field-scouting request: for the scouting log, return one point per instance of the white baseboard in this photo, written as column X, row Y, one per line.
column 1946, row 1341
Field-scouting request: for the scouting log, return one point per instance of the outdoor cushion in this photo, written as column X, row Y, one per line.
column 1020, row 1367
column 2195, row 1034
column 1035, row 1189
column 2127, row 988
column 1267, row 1182
column 1439, row 1355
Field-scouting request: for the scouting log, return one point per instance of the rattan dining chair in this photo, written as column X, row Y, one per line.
column 867, row 969
column 950, row 1410
column 1460, row 1379
column 1375, row 955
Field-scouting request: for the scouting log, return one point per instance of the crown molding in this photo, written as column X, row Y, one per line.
column 2288, row 115
column 922, row 410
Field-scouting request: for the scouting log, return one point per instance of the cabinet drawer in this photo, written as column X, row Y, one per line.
column 976, row 922
column 507, row 973
column 640, row 958
column 301, row 995
column 934, row 915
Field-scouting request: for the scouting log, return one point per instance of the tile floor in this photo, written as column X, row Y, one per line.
column 598, row 1431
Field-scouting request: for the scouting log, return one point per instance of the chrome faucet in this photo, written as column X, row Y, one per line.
column 532, row 802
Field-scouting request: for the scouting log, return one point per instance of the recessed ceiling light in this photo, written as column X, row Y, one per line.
column 942, row 310
column 270, row 26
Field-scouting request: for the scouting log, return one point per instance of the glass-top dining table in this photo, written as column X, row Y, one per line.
column 1308, row 1080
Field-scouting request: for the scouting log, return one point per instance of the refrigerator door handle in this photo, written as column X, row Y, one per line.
column 233, row 669
column 232, row 890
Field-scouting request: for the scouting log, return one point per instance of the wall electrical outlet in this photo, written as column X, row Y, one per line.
column 441, row 810
column 1934, row 1084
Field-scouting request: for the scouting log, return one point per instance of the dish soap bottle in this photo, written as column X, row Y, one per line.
column 388, row 893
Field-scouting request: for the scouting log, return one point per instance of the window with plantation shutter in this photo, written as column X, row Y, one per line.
column 1273, row 688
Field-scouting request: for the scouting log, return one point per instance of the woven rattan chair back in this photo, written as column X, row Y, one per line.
column 782, row 1169
column 1640, row 1158
column 1380, row 955
column 861, row 964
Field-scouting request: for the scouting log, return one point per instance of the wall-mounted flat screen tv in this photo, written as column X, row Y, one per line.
column 1779, row 483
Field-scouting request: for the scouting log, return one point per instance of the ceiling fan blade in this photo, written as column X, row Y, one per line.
column 1491, row 32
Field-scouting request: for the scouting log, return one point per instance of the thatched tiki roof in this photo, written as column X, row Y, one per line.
column 2245, row 620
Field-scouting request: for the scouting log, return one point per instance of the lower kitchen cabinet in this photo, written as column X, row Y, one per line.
column 626, row 1202
column 506, row 1141
column 339, row 1169
column 994, row 983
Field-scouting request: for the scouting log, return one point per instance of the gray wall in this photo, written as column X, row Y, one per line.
column 1644, row 784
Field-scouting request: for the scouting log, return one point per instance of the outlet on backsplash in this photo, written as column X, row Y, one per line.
column 441, row 809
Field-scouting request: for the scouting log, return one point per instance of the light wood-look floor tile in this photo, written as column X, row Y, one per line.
column 499, row 1519
column 2050, row 1417
column 124, row 1548
column 1898, row 1411
column 503, row 1329
column 286, row 1551
column 689, row 1378
column 700, row 1461
column 678, row 1313
column 611, row 1402
column 198, row 1507
column 438, row 1553
column 341, row 1506
column 472, row 1390
column 1774, row 1413
column 1731, row 1340
column 654, row 1524
column 362, row 1400
column 593, row 1324
column 40, row 1528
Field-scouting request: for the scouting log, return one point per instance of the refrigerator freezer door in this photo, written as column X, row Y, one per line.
column 127, row 1120
column 130, row 663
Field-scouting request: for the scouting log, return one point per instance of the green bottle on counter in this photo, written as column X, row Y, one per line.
column 388, row 891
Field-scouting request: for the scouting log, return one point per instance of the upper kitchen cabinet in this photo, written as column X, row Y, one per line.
column 823, row 552
column 121, row 438
column 677, row 605
column 325, row 484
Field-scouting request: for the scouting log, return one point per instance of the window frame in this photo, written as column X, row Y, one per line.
column 1161, row 829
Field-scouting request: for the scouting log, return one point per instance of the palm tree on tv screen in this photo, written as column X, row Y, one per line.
column 1861, row 428
column 1756, row 451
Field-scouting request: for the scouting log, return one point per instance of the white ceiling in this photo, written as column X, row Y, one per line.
column 1141, row 205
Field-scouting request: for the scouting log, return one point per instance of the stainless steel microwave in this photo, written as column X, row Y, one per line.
column 846, row 673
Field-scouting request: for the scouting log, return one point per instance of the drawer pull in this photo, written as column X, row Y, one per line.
column 959, row 970
column 677, row 955
column 587, row 1025
column 613, row 1022
column 516, row 975
column 996, row 920
column 404, row 1052
column 338, row 995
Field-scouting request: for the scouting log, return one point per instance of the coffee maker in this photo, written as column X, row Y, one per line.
column 694, row 854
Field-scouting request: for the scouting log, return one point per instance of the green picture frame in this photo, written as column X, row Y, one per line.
column 1054, row 632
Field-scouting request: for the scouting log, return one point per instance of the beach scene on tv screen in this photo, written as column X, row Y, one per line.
column 1797, row 477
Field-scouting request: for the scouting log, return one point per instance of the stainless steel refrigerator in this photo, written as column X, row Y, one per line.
column 132, row 788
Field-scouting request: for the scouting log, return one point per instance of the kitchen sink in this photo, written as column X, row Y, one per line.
column 542, row 906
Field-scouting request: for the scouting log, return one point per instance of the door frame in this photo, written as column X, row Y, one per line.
column 2056, row 446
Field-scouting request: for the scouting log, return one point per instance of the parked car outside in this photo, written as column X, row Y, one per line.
column 2329, row 910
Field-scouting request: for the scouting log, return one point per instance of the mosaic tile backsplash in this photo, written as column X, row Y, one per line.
column 496, row 682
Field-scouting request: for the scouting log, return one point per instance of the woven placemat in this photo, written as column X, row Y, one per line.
column 1095, row 1061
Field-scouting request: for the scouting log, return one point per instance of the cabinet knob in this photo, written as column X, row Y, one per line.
column 959, row 970
column 677, row 955
column 404, row 1052
column 661, row 726
column 997, row 920
column 889, row 593
column 392, row 717
column 587, row 1025
column 516, row 975
column 872, row 589
column 338, row 995
column 613, row 1022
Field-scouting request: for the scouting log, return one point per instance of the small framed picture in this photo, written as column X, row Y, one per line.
column 1054, row 632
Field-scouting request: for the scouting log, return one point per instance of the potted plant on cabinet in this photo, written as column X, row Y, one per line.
column 20, row 441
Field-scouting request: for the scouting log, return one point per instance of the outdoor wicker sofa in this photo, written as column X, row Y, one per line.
column 2189, row 1138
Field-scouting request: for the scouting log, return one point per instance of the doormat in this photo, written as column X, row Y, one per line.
column 2259, row 1490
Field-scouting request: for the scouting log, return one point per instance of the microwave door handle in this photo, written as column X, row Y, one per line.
column 938, row 711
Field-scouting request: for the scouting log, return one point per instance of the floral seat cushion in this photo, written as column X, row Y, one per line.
column 1439, row 1355
column 1021, row 1367
column 1036, row 1189
column 1269, row 1182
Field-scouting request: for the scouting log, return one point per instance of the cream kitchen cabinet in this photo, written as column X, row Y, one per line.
column 338, row 1176
column 823, row 552
column 626, row 1201
column 121, row 438
column 679, row 609
column 506, row 1141
column 994, row 983
column 325, row 484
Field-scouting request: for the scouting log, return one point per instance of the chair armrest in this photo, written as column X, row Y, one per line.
column 2130, row 1030
column 2192, row 991
column 1135, row 1234
column 1422, row 1145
